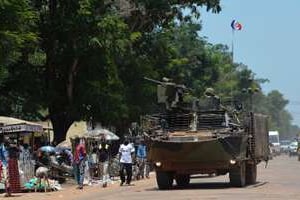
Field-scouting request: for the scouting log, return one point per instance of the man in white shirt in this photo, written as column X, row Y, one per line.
column 126, row 151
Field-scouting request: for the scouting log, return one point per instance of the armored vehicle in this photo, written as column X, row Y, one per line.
column 203, row 137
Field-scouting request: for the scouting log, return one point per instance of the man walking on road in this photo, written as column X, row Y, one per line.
column 141, row 155
column 126, row 151
column 103, row 161
column 79, row 162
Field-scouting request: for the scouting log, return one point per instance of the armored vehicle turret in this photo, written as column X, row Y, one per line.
column 204, row 137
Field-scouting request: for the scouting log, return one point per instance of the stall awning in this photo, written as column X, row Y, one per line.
column 13, row 125
column 101, row 133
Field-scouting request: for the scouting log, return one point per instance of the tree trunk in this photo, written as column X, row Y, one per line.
column 71, row 77
column 122, row 128
column 61, row 123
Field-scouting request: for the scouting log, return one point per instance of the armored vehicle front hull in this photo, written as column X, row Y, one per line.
column 180, row 157
column 213, row 155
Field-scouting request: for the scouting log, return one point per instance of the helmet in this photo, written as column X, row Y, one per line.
column 209, row 92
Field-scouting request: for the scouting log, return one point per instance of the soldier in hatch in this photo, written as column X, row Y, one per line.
column 215, row 101
column 174, row 93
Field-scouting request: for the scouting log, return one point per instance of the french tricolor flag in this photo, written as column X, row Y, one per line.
column 235, row 25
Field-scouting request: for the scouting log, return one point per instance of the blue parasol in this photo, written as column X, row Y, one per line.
column 48, row 149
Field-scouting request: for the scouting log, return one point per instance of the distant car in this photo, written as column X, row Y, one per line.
column 274, row 140
column 293, row 147
column 284, row 146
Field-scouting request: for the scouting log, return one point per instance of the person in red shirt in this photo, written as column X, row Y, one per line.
column 79, row 162
column 0, row 170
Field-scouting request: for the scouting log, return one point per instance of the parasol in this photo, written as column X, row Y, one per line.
column 47, row 149
column 101, row 132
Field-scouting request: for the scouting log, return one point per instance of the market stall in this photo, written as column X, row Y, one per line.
column 24, row 132
column 25, row 136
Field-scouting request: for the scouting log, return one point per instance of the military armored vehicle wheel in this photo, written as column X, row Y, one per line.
column 251, row 171
column 237, row 175
column 182, row 180
column 164, row 180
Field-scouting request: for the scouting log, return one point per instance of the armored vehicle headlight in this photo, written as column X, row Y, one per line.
column 158, row 164
column 232, row 162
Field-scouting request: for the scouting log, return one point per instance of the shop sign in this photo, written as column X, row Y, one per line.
column 21, row 128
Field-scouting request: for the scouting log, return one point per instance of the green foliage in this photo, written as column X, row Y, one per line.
column 147, row 14
column 18, row 38
column 16, row 29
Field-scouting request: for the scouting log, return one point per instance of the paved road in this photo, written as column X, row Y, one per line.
column 280, row 180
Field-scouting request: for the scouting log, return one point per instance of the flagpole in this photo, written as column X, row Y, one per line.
column 232, row 59
column 232, row 46
column 235, row 25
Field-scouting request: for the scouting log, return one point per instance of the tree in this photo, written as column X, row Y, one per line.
column 16, row 30
column 145, row 15
column 280, row 118
column 18, row 38
column 81, row 69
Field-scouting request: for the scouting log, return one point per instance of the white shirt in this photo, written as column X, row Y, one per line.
column 126, row 151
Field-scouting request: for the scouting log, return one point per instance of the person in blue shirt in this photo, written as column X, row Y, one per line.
column 141, row 155
column 4, row 156
column 3, row 153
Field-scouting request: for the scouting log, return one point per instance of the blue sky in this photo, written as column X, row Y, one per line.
column 269, row 42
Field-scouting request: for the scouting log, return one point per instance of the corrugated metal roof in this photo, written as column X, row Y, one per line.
column 12, row 121
column 12, row 125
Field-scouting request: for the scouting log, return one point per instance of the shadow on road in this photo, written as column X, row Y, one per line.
column 13, row 195
column 215, row 185
column 207, row 186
